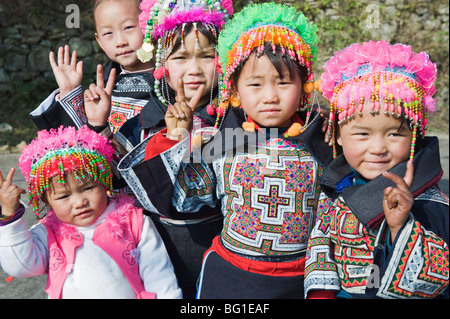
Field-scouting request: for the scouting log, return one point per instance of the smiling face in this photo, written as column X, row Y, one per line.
column 373, row 144
column 268, row 98
column 77, row 203
column 118, row 32
column 194, row 65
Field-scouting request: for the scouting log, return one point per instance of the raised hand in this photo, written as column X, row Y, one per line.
column 97, row 99
column 179, row 116
column 9, row 194
column 68, row 72
column 398, row 201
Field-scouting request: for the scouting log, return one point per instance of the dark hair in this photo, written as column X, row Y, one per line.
column 212, row 38
column 278, row 59
column 97, row 3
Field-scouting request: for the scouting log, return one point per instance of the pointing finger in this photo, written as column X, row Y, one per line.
column 181, row 97
column 409, row 174
column 60, row 56
column 9, row 177
column 197, row 96
column 66, row 55
column 100, row 81
column 110, row 83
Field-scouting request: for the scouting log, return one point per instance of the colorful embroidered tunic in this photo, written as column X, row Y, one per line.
column 268, row 195
column 349, row 251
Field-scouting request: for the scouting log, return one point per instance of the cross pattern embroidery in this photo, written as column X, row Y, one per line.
column 273, row 200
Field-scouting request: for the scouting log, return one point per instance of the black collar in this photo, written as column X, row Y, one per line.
column 312, row 138
column 365, row 201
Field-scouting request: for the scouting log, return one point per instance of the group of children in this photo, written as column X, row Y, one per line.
column 198, row 166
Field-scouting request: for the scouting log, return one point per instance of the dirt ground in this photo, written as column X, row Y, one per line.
column 33, row 288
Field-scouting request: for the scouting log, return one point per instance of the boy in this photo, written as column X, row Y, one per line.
column 119, row 35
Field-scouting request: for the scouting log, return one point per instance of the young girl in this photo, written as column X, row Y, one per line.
column 90, row 245
column 385, row 236
column 268, row 192
column 120, row 37
column 184, row 35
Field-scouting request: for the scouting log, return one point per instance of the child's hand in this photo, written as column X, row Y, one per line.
column 9, row 194
column 97, row 99
column 68, row 73
column 397, row 202
column 179, row 116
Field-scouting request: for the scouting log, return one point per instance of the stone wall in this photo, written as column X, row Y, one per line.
column 25, row 44
column 30, row 29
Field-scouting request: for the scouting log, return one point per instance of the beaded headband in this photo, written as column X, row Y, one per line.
column 258, row 26
column 379, row 72
column 66, row 150
column 158, row 17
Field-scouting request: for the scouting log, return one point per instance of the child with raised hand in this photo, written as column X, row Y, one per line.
column 268, row 190
column 120, row 37
column 183, row 37
column 89, row 244
column 386, row 235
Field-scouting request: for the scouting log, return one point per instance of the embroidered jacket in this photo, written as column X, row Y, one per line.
column 268, row 191
column 348, row 250
column 114, row 258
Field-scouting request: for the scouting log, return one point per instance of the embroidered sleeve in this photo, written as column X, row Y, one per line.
column 170, row 179
column 193, row 179
column 417, row 265
column 320, row 268
column 73, row 104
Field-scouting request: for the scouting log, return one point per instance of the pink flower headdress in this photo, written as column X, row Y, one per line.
column 66, row 150
column 160, row 18
column 391, row 77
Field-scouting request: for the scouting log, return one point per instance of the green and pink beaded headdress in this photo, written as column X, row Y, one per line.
column 265, row 25
column 65, row 150
column 387, row 78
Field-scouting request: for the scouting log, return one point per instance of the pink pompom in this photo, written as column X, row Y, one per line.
column 210, row 109
column 430, row 104
column 159, row 73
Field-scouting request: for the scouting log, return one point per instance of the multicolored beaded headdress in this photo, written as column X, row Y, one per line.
column 66, row 150
column 403, row 81
column 261, row 25
column 160, row 18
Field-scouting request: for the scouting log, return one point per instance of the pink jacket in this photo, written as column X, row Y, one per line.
column 118, row 236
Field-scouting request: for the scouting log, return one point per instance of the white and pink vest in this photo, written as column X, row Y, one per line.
column 118, row 235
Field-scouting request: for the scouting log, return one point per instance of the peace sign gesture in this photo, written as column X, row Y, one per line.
column 9, row 194
column 97, row 99
column 179, row 116
column 398, row 201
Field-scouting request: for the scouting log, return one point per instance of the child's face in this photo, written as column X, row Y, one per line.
column 118, row 32
column 195, row 66
column 373, row 144
column 267, row 98
column 77, row 203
